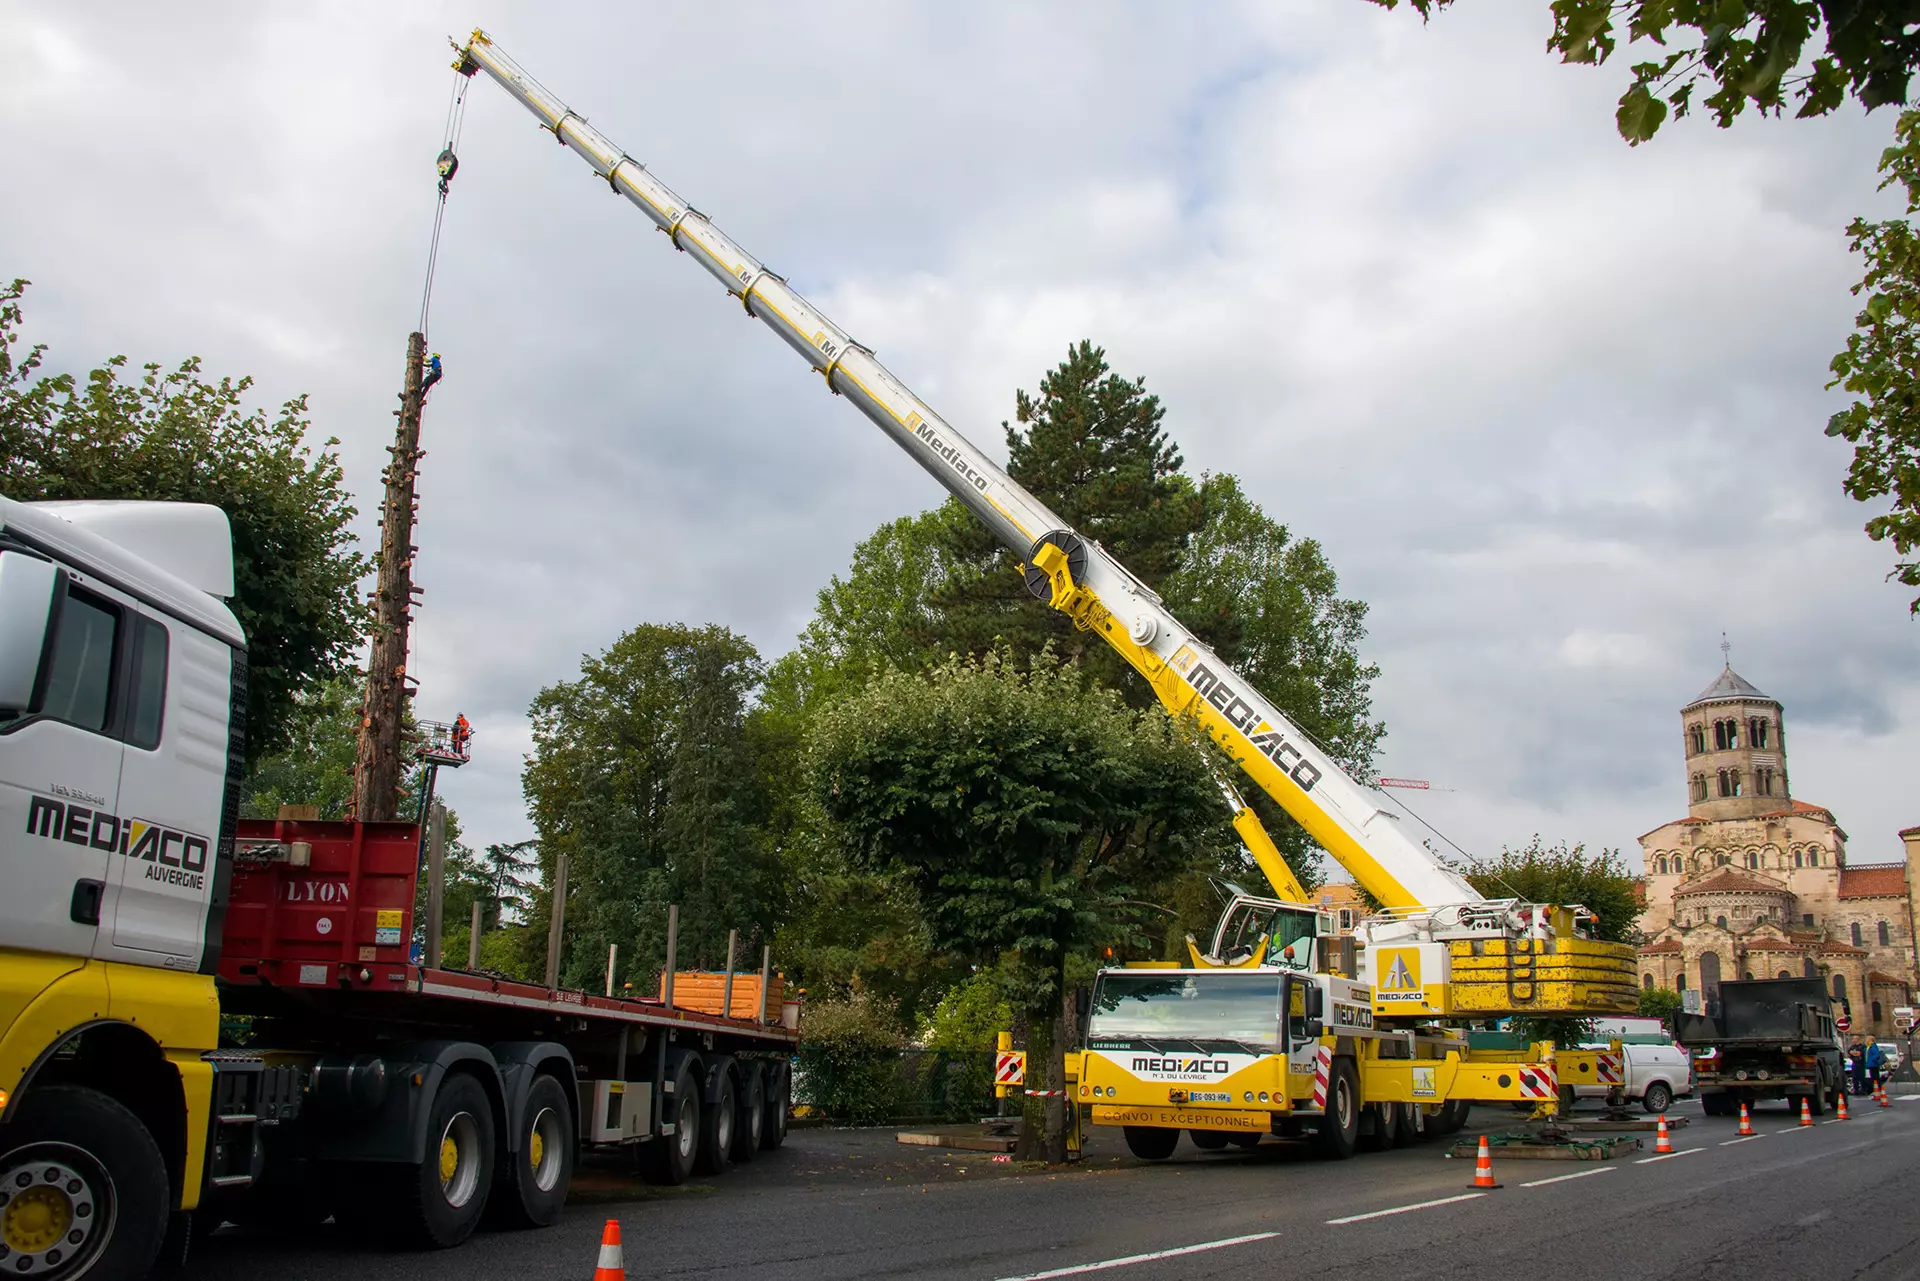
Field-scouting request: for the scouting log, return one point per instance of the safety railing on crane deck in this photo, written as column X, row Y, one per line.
column 441, row 743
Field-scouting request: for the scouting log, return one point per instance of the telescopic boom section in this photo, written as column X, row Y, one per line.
column 1073, row 574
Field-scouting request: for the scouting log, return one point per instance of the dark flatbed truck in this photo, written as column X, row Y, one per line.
column 1764, row 1039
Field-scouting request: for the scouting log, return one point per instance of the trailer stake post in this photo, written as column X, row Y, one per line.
column 436, row 880
column 613, row 956
column 673, row 945
column 473, row 938
column 557, row 922
column 726, row 988
column 766, row 974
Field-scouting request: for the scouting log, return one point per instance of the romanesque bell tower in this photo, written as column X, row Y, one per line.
column 1736, row 751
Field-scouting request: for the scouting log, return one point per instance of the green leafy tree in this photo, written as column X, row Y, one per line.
column 849, row 1057
column 180, row 437
column 642, row 774
column 1564, row 874
column 1881, row 365
column 1763, row 54
column 1660, row 1003
column 1030, row 811
column 314, row 764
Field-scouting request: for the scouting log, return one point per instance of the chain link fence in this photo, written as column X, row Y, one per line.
column 896, row 1087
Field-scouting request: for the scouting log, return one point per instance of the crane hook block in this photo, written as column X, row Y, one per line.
column 447, row 165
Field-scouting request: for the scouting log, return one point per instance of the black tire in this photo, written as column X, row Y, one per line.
column 530, row 1186
column 668, row 1159
column 1717, row 1104
column 1248, row 1139
column 753, row 1114
column 779, row 1086
column 717, row 1123
column 1816, row 1101
column 1403, row 1128
column 1658, row 1098
column 1338, row 1132
column 1376, row 1127
column 1150, row 1142
column 1450, row 1119
column 1209, row 1140
column 438, row 1203
column 75, row 1163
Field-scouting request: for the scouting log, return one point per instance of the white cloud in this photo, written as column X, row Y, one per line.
column 1552, row 404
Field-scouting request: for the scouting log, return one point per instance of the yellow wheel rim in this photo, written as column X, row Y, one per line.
column 449, row 1160
column 36, row 1219
column 536, row 1148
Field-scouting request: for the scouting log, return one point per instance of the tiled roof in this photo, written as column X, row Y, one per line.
column 1843, row 949
column 1731, row 880
column 1881, row 976
column 1877, row 880
column 1799, row 807
column 1728, row 685
column 1664, row 945
column 1910, row 831
column 1690, row 821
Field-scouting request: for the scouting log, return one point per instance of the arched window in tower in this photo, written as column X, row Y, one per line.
column 1720, row 743
column 1886, row 935
column 1723, row 784
column 1876, row 1011
column 1646, row 982
column 1680, row 979
column 1839, row 987
column 1733, row 778
column 1721, row 921
column 1799, row 859
column 1856, row 934
column 1757, row 731
column 1699, row 787
column 1807, row 970
column 1696, row 739
column 1763, row 781
column 1723, row 860
column 1753, row 860
column 1709, row 972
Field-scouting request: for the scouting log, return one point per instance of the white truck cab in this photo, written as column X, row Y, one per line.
column 122, row 710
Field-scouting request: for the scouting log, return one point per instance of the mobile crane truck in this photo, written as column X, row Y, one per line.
column 138, row 910
column 1278, row 1026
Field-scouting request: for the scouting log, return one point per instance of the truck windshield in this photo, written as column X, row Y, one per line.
column 1158, row 1006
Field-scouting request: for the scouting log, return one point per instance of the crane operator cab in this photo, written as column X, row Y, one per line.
column 1263, row 931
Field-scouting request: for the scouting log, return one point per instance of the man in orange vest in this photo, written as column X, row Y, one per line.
column 461, row 733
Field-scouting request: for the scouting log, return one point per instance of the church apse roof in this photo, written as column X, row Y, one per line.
column 1664, row 945
column 1729, row 686
column 1730, row 880
column 1875, row 880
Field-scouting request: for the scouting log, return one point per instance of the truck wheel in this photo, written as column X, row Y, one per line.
column 1717, row 1104
column 1451, row 1118
column 774, row 1131
column 1816, row 1100
column 83, row 1188
column 716, row 1126
column 1208, row 1140
column 1151, row 1143
column 747, row 1127
column 1658, row 1098
column 1338, row 1132
column 668, row 1158
column 531, row 1186
column 439, row 1202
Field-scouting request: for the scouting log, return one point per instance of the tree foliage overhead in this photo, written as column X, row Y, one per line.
column 1763, row 54
column 179, row 437
column 642, row 775
column 1563, row 874
column 1881, row 365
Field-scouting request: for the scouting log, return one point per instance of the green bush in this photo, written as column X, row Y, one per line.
column 849, row 1058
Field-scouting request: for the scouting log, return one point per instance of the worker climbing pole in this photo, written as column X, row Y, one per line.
column 380, row 759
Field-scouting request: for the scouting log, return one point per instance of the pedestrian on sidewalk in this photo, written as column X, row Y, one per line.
column 1856, row 1069
column 1875, row 1060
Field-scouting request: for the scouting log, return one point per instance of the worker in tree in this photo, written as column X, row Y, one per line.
column 433, row 375
column 462, row 731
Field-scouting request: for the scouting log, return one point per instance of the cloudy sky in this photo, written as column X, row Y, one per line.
column 1552, row 404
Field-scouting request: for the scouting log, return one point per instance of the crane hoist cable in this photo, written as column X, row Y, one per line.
column 446, row 165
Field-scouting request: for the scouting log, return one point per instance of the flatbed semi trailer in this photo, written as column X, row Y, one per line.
column 140, row 916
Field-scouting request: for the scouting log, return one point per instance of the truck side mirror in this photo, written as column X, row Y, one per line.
column 27, row 586
column 1314, row 1005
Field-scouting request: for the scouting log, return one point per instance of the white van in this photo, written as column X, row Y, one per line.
column 1657, row 1070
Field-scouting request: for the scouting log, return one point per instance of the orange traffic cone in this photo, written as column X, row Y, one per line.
column 1843, row 1113
column 612, row 1266
column 1483, row 1168
column 1806, row 1113
column 1885, row 1102
column 1746, row 1123
column 1662, row 1141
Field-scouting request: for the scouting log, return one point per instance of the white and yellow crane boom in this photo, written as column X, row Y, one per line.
column 1346, row 817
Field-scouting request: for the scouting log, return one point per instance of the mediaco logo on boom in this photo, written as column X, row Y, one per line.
column 1246, row 718
column 951, row 454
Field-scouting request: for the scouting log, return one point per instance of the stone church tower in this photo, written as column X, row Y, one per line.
column 1753, row 883
column 1736, row 751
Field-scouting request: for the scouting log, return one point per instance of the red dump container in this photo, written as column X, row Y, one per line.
column 321, row 904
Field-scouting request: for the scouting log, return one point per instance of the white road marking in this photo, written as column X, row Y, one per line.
column 1142, row 1258
column 1666, row 1156
column 1837, row 1120
column 1562, row 1178
column 1402, row 1209
column 1748, row 1139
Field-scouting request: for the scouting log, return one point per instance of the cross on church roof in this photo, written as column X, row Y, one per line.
column 1726, row 649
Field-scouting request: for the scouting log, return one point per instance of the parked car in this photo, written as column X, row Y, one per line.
column 1657, row 1072
column 1889, row 1056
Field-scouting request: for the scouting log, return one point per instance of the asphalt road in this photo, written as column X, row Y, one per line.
column 1830, row 1202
